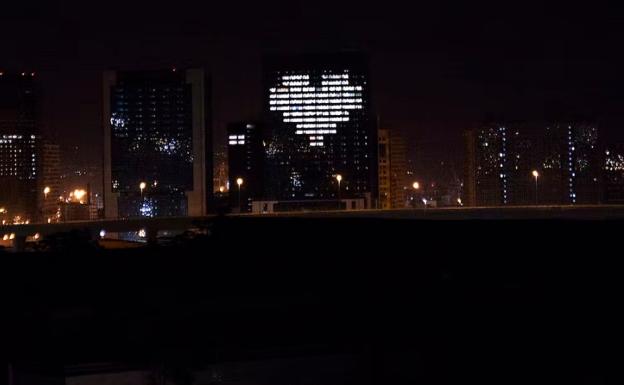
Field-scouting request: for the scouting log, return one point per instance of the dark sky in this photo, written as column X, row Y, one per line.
column 437, row 67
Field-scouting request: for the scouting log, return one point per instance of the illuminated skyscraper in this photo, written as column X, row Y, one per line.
column 157, row 144
column 501, row 159
column 570, row 164
column 320, row 125
column 498, row 166
column 20, row 147
column 614, row 174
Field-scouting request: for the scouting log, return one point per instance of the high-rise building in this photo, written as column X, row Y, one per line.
column 20, row 145
column 385, row 194
column 392, row 170
column 157, row 143
column 614, row 174
column 570, row 164
column 398, row 170
column 50, row 182
column 501, row 160
column 245, row 164
column 498, row 166
column 321, row 125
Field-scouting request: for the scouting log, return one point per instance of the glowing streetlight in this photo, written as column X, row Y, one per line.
column 142, row 187
column 536, row 176
column 339, row 179
column 239, row 182
column 46, row 191
column 416, row 187
column 2, row 210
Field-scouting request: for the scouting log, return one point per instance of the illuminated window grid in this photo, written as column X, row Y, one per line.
column 315, row 111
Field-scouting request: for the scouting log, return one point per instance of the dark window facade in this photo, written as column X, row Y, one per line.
column 151, row 143
column 245, row 161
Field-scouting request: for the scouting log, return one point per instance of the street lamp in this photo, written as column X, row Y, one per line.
column 339, row 179
column 142, row 187
column 46, row 191
column 239, row 182
column 416, row 187
column 536, row 176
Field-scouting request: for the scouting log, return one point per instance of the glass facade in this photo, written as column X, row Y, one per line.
column 320, row 123
column 151, row 143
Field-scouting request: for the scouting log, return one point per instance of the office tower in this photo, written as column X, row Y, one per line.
column 157, row 143
column 392, row 170
column 487, row 160
column 398, row 170
column 614, row 174
column 321, row 125
column 570, row 164
column 50, row 181
column 498, row 166
column 245, row 164
column 20, row 144
column 385, row 195
column 520, row 167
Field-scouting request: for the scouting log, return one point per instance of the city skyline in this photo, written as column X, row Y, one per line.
column 310, row 192
column 453, row 65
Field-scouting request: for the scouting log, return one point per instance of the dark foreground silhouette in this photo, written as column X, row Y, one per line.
column 362, row 301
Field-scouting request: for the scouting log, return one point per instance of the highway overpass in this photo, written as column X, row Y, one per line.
column 152, row 226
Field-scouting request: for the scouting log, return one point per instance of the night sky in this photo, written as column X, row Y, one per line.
column 437, row 67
